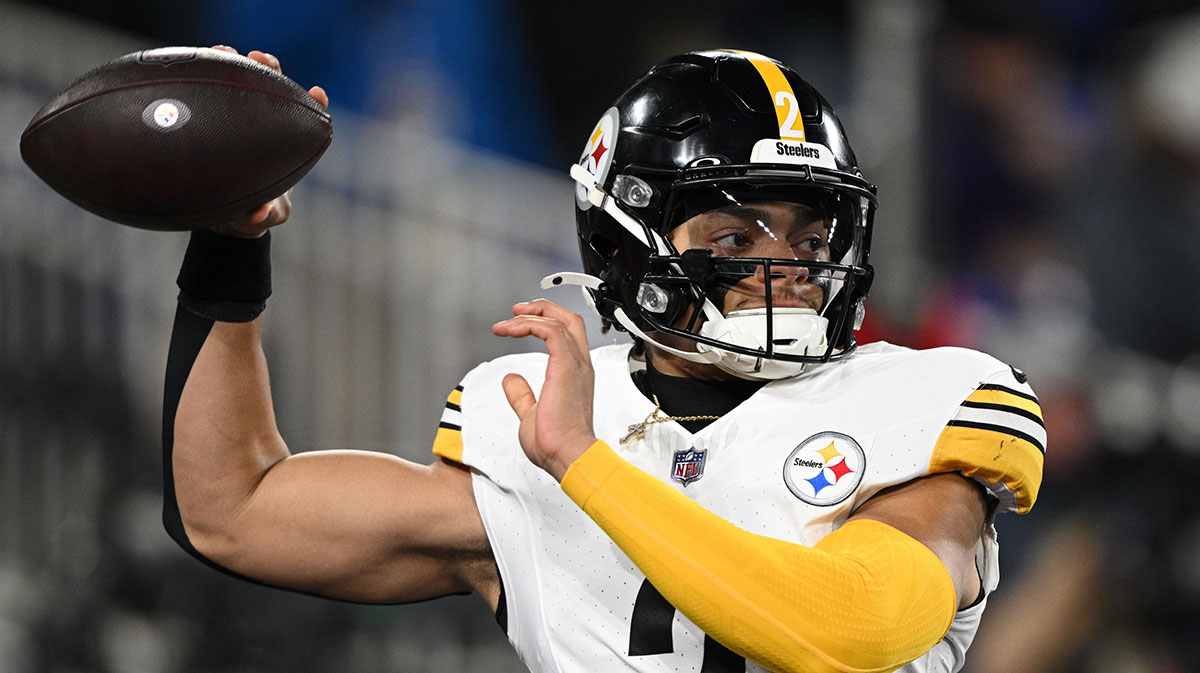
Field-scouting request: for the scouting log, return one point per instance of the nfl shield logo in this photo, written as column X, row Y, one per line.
column 165, row 56
column 688, row 466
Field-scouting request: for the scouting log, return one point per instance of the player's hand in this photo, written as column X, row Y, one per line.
column 277, row 211
column 556, row 429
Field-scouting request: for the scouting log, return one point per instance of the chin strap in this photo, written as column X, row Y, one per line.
column 593, row 283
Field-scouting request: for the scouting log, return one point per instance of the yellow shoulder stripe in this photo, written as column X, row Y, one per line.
column 1008, row 398
column 994, row 456
column 448, row 442
column 787, row 108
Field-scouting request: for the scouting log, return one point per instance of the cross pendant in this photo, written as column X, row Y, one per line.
column 636, row 430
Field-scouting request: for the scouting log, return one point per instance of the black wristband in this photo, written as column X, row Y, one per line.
column 225, row 278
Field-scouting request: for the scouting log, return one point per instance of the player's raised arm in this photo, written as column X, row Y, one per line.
column 360, row 526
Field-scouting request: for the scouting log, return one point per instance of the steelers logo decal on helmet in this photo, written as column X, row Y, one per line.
column 825, row 468
column 598, row 152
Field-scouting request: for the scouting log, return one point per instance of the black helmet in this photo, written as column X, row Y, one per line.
column 702, row 131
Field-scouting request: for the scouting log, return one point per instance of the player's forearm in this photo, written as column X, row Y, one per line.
column 866, row 598
column 359, row 526
column 225, row 433
column 219, row 434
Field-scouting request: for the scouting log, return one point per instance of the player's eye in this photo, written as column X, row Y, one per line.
column 732, row 240
column 810, row 245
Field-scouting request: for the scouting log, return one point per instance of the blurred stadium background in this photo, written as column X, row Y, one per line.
column 1038, row 165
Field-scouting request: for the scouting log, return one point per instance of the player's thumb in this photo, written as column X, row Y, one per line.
column 519, row 394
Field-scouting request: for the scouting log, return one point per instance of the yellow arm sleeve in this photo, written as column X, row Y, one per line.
column 865, row 598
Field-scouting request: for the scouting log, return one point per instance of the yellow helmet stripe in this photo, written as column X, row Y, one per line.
column 787, row 108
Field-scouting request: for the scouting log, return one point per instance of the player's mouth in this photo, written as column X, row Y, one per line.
column 789, row 301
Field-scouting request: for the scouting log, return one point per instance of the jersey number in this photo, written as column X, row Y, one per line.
column 650, row 633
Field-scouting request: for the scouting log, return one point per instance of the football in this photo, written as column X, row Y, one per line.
column 176, row 138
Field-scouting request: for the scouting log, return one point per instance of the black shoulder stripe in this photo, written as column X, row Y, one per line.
column 450, row 426
column 1001, row 429
column 1005, row 408
column 458, row 387
column 1010, row 391
column 453, row 407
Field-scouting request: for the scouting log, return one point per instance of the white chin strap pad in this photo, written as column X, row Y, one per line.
column 797, row 331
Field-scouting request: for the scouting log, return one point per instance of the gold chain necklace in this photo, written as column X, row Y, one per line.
column 638, row 430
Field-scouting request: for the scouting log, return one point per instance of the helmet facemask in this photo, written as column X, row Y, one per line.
column 771, row 277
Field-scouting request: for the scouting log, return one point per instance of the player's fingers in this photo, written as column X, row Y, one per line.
column 319, row 94
column 544, row 307
column 513, row 328
column 265, row 59
column 531, row 325
column 225, row 48
column 519, row 394
column 558, row 339
column 282, row 208
column 260, row 214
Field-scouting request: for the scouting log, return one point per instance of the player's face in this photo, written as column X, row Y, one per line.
column 780, row 230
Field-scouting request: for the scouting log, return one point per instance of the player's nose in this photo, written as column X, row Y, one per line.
column 781, row 270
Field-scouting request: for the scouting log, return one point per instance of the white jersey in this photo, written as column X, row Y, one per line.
column 792, row 462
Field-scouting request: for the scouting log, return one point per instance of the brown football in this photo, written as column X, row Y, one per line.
column 176, row 138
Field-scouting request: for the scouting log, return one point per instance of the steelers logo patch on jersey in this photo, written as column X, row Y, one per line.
column 597, row 153
column 825, row 468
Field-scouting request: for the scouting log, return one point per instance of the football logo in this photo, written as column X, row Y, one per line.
column 167, row 55
column 597, row 153
column 825, row 468
column 166, row 114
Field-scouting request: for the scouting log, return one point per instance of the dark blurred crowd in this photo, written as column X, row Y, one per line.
column 1065, row 232
column 1061, row 169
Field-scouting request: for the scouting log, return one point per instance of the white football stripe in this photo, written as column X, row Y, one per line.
column 452, row 416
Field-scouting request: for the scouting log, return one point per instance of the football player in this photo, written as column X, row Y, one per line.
column 742, row 488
